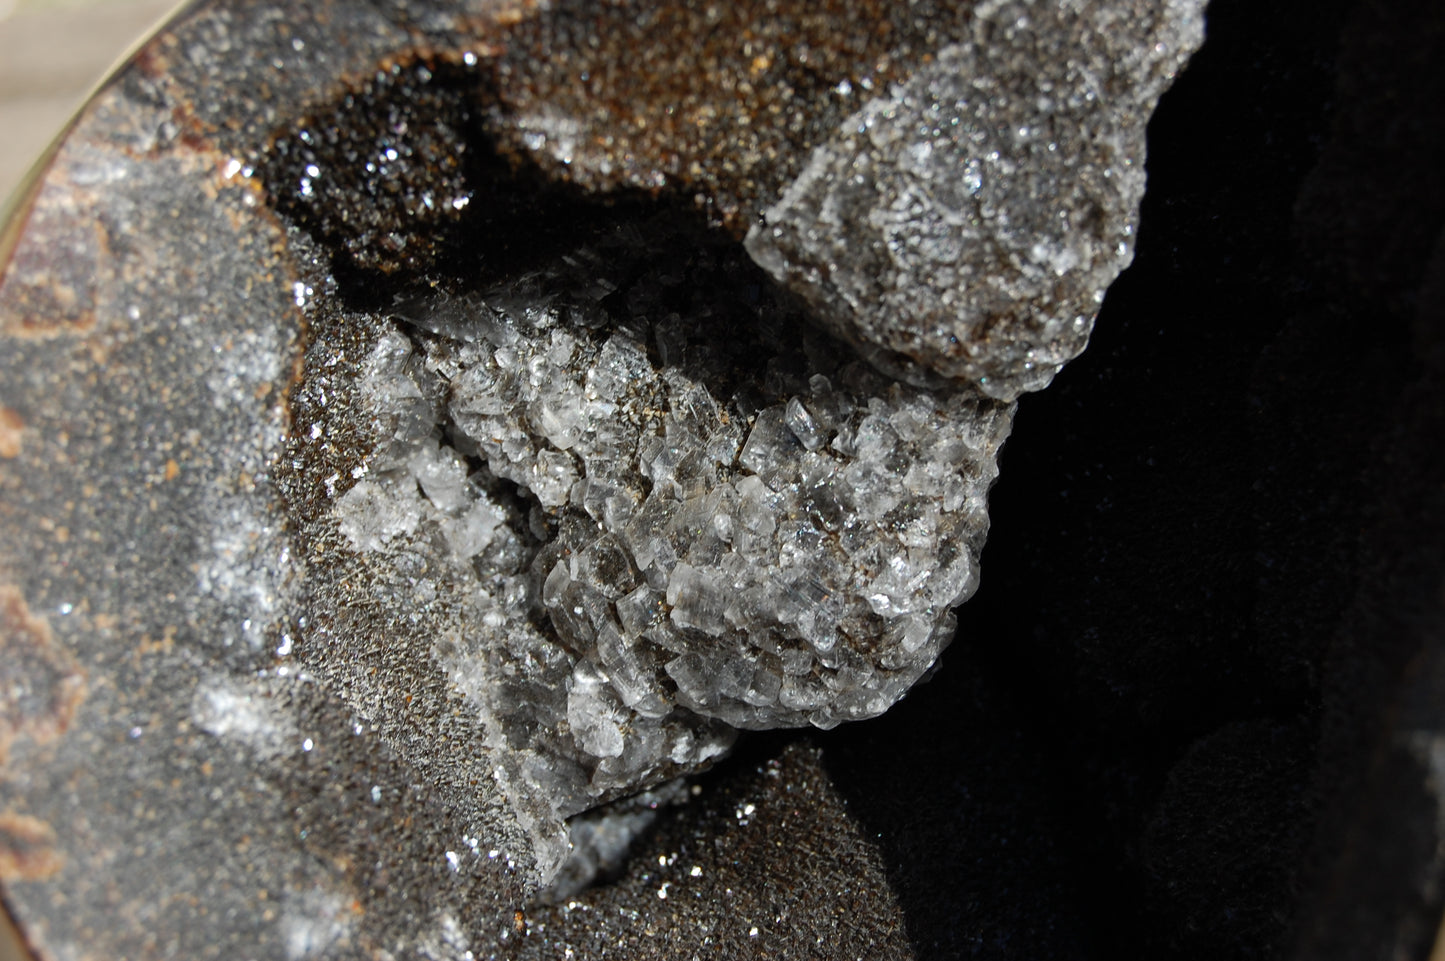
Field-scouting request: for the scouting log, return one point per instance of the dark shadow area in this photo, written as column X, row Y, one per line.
column 403, row 183
column 1126, row 752
column 958, row 790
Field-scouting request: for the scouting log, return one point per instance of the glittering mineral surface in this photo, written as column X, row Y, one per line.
column 434, row 436
column 679, row 509
column 968, row 221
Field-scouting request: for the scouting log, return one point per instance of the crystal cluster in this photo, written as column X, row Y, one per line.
column 680, row 522
column 968, row 223
column 790, row 564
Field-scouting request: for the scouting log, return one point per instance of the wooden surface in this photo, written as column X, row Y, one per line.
column 51, row 55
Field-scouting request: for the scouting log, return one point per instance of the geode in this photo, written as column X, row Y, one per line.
column 575, row 396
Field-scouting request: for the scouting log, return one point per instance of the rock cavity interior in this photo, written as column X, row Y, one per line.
column 685, row 510
column 685, row 483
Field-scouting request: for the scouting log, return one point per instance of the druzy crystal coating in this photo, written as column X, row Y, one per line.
column 967, row 223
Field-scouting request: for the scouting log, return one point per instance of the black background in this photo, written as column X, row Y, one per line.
column 1170, row 723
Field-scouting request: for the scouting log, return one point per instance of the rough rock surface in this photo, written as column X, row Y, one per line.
column 968, row 222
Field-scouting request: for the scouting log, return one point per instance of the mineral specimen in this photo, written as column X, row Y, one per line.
column 675, row 505
column 535, row 468
column 288, row 683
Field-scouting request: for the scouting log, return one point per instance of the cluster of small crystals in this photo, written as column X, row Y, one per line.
column 968, row 223
column 780, row 559
column 724, row 518
column 678, row 508
column 536, row 698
